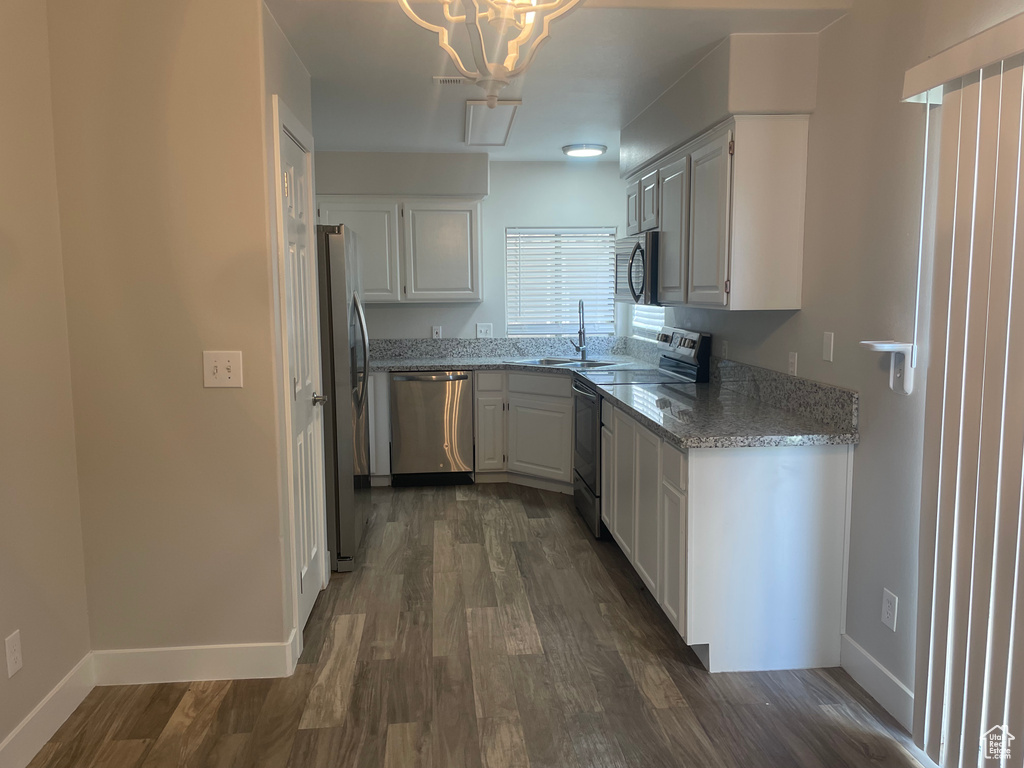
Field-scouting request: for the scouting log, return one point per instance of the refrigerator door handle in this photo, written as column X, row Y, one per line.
column 366, row 349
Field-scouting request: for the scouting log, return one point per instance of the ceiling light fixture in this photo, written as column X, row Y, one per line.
column 515, row 30
column 584, row 150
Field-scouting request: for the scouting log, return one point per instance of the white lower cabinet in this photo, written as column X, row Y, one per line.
column 623, row 481
column 607, row 477
column 647, row 509
column 540, row 436
column 673, row 537
column 490, row 432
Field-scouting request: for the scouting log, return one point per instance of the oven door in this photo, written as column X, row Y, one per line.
column 587, row 441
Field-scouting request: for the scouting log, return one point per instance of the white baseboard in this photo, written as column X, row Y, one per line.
column 200, row 662
column 32, row 733
column 883, row 685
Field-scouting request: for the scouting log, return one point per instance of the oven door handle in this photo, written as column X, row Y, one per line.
column 585, row 392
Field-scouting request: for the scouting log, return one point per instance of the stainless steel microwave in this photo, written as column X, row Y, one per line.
column 636, row 269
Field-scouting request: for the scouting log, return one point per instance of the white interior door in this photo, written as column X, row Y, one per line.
column 306, row 435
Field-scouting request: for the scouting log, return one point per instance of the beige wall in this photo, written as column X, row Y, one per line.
column 860, row 259
column 569, row 194
column 42, row 574
column 158, row 112
column 402, row 173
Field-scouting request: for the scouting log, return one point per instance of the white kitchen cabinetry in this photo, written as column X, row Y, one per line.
column 442, row 250
column 607, row 477
column 673, row 536
column 540, row 436
column 491, row 404
column 649, row 197
column 647, row 509
column 730, row 207
column 623, row 482
column 633, row 208
column 674, row 243
column 743, row 548
column 711, row 175
column 422, row 250
column 375, row 222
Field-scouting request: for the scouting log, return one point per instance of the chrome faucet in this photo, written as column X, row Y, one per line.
column 582, row 346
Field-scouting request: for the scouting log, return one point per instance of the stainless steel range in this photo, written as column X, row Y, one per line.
column 686, row 357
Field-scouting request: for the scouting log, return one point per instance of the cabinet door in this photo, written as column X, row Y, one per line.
column 649, row 195
column 375, row 224
column 633, row 208
column 607, row 478
column 647, row 508
column 490, row 432
column 674, row 245
column 673, row 536
column 624, row 482
column 442, row 250
column 540, row 436
column 710, row 209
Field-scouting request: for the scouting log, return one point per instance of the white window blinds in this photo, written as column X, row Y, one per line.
column 647, row 321
column 970, row 667
column 548, row 271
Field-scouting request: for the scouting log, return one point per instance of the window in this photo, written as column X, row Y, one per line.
column 647, row 321
column 548, row 271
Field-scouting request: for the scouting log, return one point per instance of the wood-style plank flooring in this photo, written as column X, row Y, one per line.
column 484, row 627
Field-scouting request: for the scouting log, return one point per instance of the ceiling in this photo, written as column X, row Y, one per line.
column 373, row 69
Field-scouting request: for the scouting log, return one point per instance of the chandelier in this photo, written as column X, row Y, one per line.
column 504, row 35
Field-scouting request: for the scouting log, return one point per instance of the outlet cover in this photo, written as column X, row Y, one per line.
column 485, row 330
column 14, row 658
column 222, row 369
column 435, row 332
column 725, row 350
column 889, row 605
column 792, row 363
column 827, row 346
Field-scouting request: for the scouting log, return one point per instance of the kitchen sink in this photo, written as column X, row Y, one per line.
column 563, row 362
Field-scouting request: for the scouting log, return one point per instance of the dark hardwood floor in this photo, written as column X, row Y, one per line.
column 484, row 627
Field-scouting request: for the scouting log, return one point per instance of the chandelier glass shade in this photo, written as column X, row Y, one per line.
column 502, row 36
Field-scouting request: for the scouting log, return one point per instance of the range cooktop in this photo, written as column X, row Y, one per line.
column 650, row 376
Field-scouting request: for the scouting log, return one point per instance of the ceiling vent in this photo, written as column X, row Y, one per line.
column 449, row 80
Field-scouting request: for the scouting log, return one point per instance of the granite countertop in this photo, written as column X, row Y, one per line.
column 711, row 416
column 686, row 415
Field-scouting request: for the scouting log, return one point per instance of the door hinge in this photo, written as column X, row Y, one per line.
column 732, row 146
column 286, row 185
column 728, row 286
column 405, row 290
column 318, row 214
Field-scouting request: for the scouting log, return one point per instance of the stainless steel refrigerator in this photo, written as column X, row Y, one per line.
column 345, row 352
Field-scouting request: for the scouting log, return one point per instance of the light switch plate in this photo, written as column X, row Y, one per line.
column 792, row 363
column 725, row 350
column 222, row 369
column 827, row 346
column 485, row 330
column 14, row 657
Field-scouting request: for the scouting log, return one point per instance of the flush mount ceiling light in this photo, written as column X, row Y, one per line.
column 584, row 150
column 503, row 35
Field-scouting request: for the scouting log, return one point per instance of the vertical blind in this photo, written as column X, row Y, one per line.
column 548, row 271
column 647, row 321
column 970, row 661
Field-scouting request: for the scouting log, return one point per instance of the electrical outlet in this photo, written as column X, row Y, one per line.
column 435, row 332
column 14, row 659
column 725, row 349
column 792, row 363
column 222, row 369
column 889, row 604
column 485, row 330
column 827, row 346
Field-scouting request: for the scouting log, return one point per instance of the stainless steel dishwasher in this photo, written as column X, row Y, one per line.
column 431, row 427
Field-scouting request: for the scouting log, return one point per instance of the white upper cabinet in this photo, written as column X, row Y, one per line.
column 730, row 209
column 674, row 245
column 412, row 249
column 633, row 208
column 710, row 174
column 442, row 250
column 375, row 224
column 649, row 195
